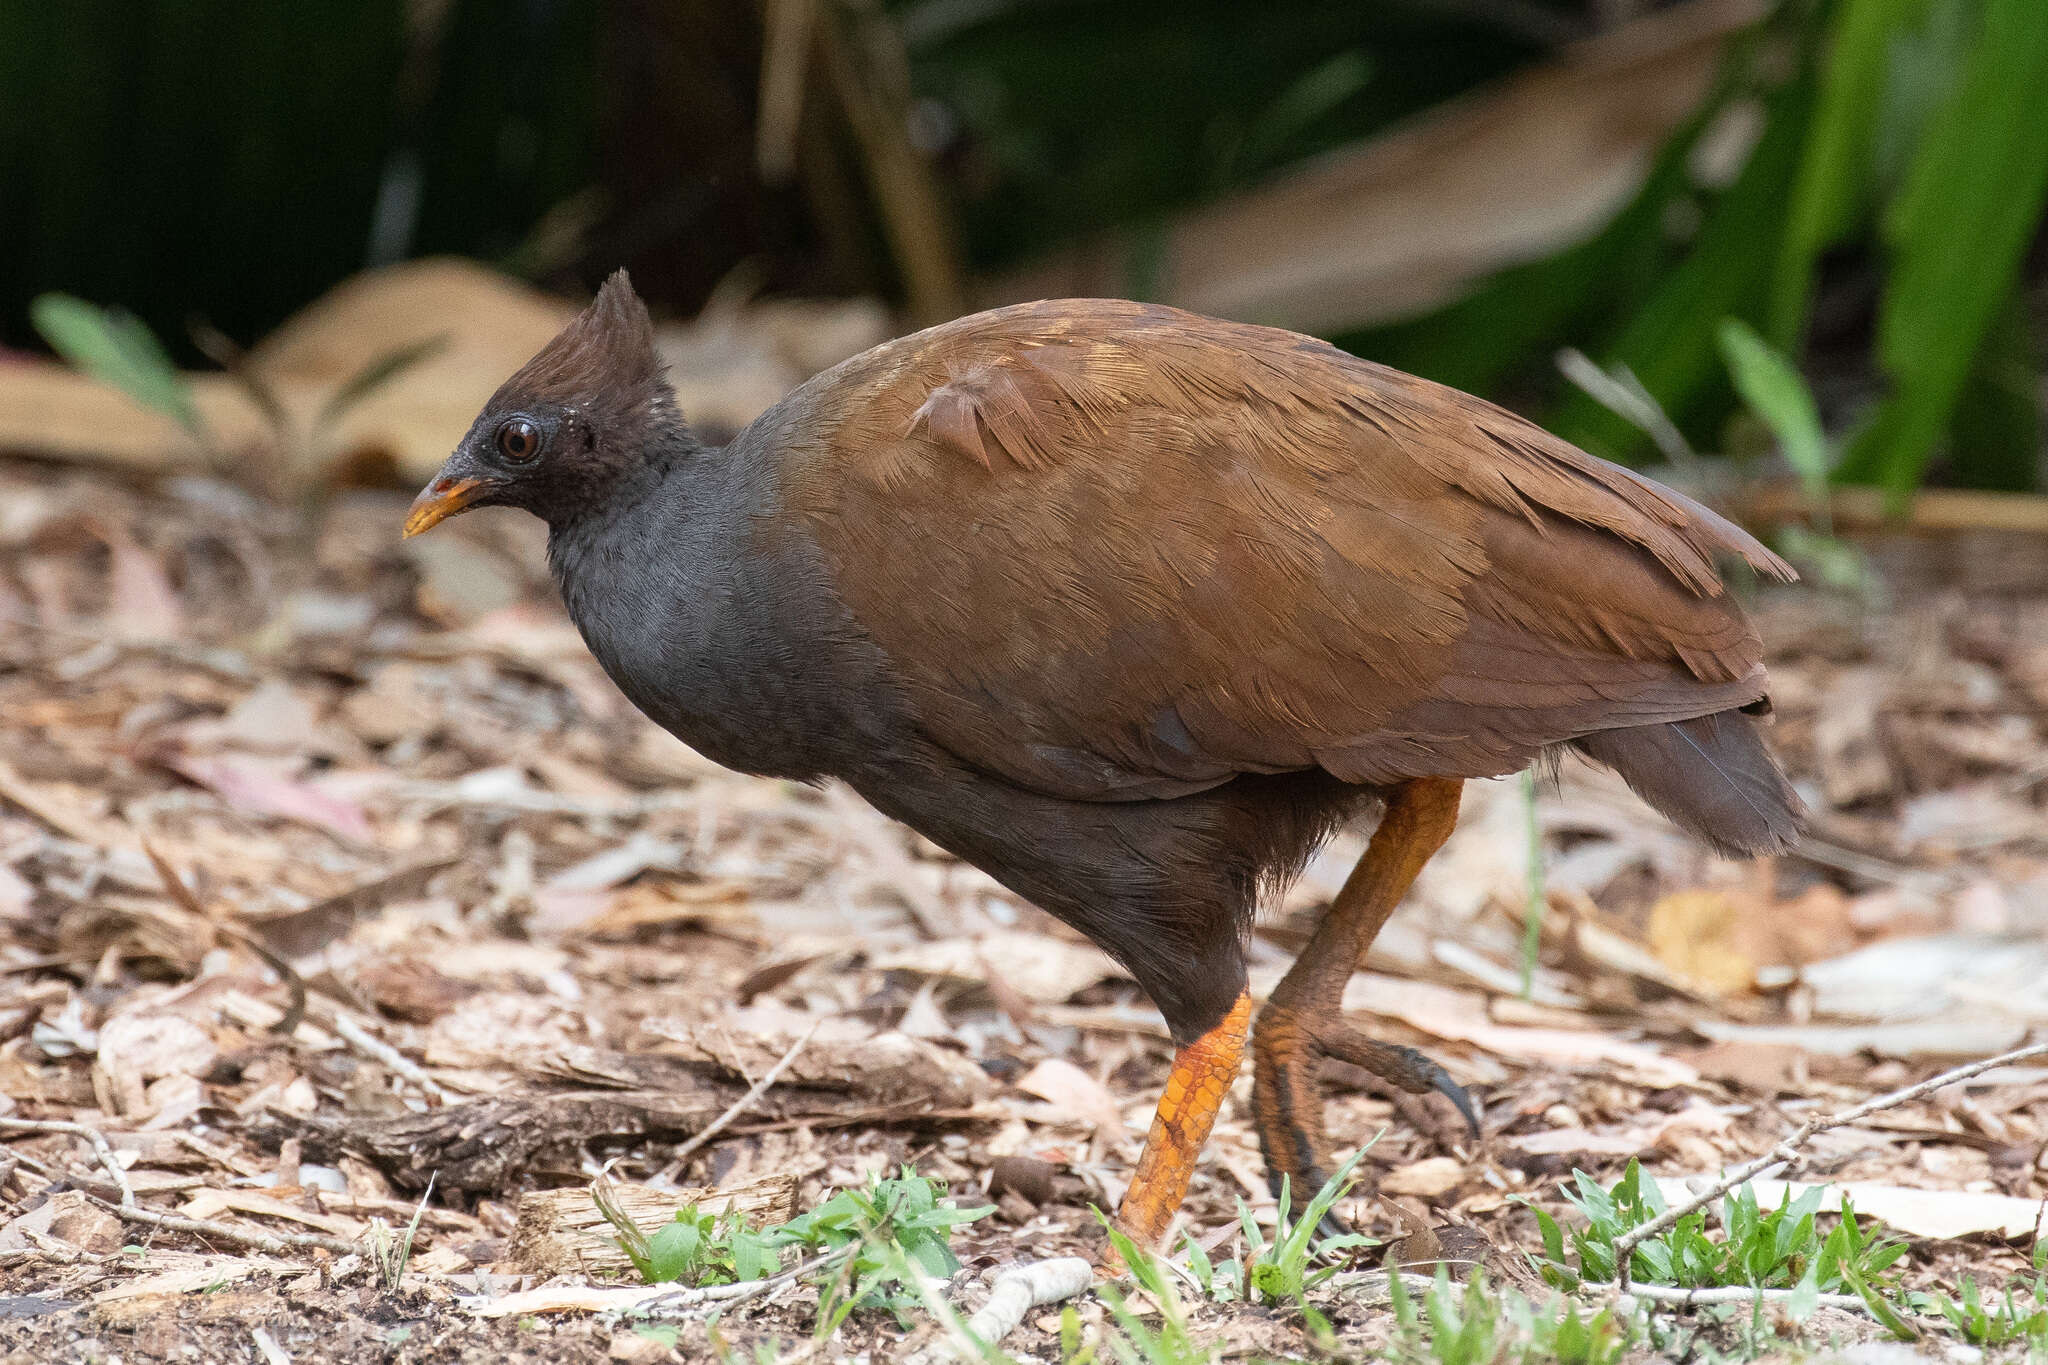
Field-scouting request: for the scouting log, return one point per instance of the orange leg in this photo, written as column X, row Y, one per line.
column 1303, row 1021
column 1201, row 1077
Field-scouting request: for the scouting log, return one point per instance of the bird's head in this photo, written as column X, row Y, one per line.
column 590, row 406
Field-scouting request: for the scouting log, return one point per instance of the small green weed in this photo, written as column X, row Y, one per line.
column 117, row 348
column 700, row 1248
column 1137, row 1341
column 1476, row 1324
column 1781, row 1248
column 1278, row 1272
column 2020, row 1314
column 1279, row 1268
column 887, row 1223
column 1774, row 390
column 390, row 1250
column 872, row 1237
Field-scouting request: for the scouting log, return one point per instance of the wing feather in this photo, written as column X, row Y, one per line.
column 1121, row 552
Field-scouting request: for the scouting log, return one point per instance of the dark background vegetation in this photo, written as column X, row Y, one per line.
column 230, row 159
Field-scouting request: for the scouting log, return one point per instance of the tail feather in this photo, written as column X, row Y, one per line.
column 1711, row 776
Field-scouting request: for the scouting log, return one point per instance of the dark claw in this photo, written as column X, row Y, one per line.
column 1413, row 1071
column 1457, row 1095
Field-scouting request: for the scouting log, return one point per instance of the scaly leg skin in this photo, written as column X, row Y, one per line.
column 1303, row 1021
column 1201, row 1077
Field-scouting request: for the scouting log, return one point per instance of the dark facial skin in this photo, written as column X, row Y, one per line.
column 506, row 460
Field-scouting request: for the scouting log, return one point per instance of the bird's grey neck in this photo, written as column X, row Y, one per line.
column 654, row 549
column 658, row 583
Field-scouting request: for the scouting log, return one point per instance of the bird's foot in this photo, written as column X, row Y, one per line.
column 1288, row 1048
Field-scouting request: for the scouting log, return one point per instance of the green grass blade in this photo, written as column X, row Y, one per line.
column 1670, row 343
column 1958, row 229
column 115, row 348
column 1775, row 391
column 1835, row 168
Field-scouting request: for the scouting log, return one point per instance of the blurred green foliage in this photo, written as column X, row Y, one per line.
column 1905, row 147
column 1081, row 116
column 236, row 157
column 117, row 348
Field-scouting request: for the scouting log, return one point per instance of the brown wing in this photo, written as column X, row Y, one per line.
column 1119, row 551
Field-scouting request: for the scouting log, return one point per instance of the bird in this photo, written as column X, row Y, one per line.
column 1133, row 609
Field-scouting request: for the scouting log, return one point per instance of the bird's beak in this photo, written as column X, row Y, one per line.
column 443, row 498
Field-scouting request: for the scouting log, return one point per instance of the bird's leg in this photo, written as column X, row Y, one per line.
column 1302, row 1022
column 1201, row 1077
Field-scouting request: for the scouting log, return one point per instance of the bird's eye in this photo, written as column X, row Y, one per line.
column 519, row 440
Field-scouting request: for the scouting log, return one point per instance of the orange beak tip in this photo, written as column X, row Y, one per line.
column 441, row 500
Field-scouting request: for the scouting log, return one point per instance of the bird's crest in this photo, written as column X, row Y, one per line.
column 605, row 359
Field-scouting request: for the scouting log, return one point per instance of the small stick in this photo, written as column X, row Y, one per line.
column 267, row 1347
column 277, row 1244
column 450, row 795
column 99, row 1147
column 43, row 1251
column 367, row 1043
column 739, row 1106
column 1736, row 1293
column 1789, row 1153
column 189, row 900
column 730, row 1294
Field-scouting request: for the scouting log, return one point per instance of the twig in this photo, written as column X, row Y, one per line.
column 1789, row 1153
column 740, row 1105
column 187, row 898
column 99, row 1147
column 438, row 796
column 49, row 1250
column 219, row 1156
column 785, row 61
column 267, row 1347
column 361, row 1039
column 730, row 1294
column 276, row 1243
column 1737, row 1293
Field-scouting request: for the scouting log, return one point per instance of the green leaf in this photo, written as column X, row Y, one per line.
column 1670, row 342
column 1775, row 391
column 1836, row 172
column 1805, row 1295
column 674, row 1250
column 1553, row 1236
column 1995, row 433
column 1313, row 96
column 116, row 348
column 1957, row 230
column 752, row 1257
column 1879, row 1308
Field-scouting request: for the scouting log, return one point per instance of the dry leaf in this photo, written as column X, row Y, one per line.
column 135, row 1049
column 1431, row 1178
column 1075, row 1096
column 1696, row 933
column 262, row 787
